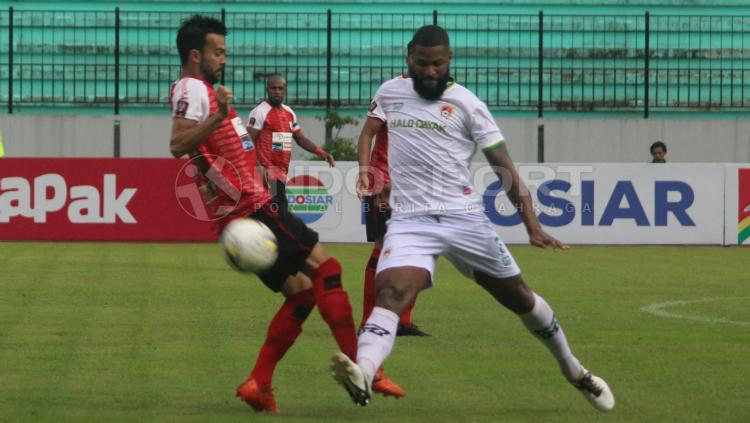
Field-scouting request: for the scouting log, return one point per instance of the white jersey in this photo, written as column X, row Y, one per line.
column 430, row 147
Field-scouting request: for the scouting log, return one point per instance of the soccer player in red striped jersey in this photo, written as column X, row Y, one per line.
column 374, row 188
column 273, row 126
column 207, row 128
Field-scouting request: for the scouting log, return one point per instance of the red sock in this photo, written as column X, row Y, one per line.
column 283, row 330
column 406, row 316
column 334, row 306
column 368, row 302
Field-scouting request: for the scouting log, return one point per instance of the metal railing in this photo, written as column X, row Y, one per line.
column 539, row 62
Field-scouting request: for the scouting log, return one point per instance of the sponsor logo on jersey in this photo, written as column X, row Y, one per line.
column 308, row 198
column 416, row 123
column 395, row 107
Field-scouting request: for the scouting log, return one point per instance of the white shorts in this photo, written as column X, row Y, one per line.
column 466, row 239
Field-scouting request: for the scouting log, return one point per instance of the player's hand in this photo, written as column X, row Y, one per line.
column 381, row 198
column 363, row 184
column 223, row 97
column 541, row 239
column 330, row 160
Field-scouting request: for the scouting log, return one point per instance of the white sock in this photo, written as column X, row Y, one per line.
column 376, row 339
column 541, row 322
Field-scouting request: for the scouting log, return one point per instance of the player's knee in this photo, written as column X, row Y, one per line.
column 511, row 292
column 393, row 297
column 518, row 298
column 317, row 257
column 295, row 285
column 521, row 298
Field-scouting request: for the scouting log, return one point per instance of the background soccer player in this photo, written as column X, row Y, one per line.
column 206, row 127
column 273, row 126
column 435, row 126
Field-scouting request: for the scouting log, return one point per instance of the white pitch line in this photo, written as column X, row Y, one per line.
column 658, row 309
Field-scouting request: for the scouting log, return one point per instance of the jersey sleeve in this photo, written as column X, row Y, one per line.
column 484, row 129
column 376, row 108
column 294, row 123
column 190, row 100
column 257, row 117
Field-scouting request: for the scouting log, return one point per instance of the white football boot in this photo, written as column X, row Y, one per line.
column 596, row 391
column 349, row 375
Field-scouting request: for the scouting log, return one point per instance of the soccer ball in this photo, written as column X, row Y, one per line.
column 249, row 245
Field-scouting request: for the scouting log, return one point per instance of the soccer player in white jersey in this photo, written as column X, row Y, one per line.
column 435, row 127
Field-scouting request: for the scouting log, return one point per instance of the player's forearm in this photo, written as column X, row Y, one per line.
column 514, row 186
column 253, row 133
column 364, row 146
column 521, row 198
column 306, row 144
column 364, row 142
column 189, row 139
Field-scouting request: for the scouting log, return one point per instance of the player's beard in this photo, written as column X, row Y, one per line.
column 209, row 75
column 275, row 103
column 429, row 93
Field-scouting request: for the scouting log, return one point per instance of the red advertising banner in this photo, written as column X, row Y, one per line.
column 99, row 200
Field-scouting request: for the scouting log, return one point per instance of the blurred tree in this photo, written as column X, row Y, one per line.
column 342, row 149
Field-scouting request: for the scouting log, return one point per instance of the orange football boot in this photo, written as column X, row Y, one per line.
column 260, row 398
column 384, row 385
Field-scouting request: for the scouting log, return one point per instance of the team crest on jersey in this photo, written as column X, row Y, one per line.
column 251, row 121
column 181, row 109
column 446, row 111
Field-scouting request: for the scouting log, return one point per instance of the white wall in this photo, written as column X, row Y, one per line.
column 57, row 136
column 566, row 140
column 628, row 140
column 145, row 136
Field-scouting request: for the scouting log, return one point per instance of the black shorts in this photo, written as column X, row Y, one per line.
column 294, row 238
column 375, row 218
column 278, row 190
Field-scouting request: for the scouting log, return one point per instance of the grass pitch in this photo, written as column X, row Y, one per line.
column 165, row 332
